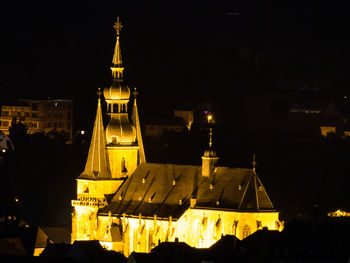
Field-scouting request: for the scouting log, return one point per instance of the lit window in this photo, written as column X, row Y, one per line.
column 246, row 231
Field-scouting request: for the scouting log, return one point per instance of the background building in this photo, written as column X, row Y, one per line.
column 39, row 115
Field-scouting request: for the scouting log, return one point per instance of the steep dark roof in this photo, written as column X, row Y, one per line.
column 58, row 234
column 31, row 237
column 97, row 164
column 55, row 250
column 85, row 250
column 156, row 189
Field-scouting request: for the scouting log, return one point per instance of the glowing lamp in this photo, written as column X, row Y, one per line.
column 209, row 117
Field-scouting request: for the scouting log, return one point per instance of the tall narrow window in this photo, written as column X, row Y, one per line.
column 124, row 170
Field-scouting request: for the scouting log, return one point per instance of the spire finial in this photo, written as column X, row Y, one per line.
column 99, row 93
column 210, row 138
column 135, row 93
column 254, row 163
column 117, row 63
column 210, row 118
column 118, row 26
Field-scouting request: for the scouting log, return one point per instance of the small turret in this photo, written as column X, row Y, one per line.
column 209, row 159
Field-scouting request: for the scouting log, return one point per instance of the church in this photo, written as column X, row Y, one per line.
column 129, row 204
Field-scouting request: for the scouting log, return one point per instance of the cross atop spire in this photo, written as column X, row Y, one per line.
column 99, row 93
column 135, row 93
column 210, row 138
column 117, row 62
column 254, row 163
column 210, row 119
column 118, row 26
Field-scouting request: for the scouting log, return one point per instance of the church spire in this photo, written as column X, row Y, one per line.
column 136, row 122
column 117, row 63
column 254, row 163
column 209, row 159
column 97, row 164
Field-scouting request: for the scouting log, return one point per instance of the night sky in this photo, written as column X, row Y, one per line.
column 173, row 48
column 238, row 55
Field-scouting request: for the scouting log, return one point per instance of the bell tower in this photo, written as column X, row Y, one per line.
column 124, row 141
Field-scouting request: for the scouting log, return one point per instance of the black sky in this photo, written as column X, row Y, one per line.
column 64, row 49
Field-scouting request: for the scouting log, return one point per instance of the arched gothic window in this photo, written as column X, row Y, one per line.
column 115, row 108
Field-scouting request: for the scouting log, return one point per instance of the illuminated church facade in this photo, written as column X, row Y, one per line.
column 129, row 204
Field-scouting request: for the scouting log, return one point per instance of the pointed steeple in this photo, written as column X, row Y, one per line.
column 136, row 122
column 255, row 197
column 209, row 159
column 117, row 63
column 97, row 164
